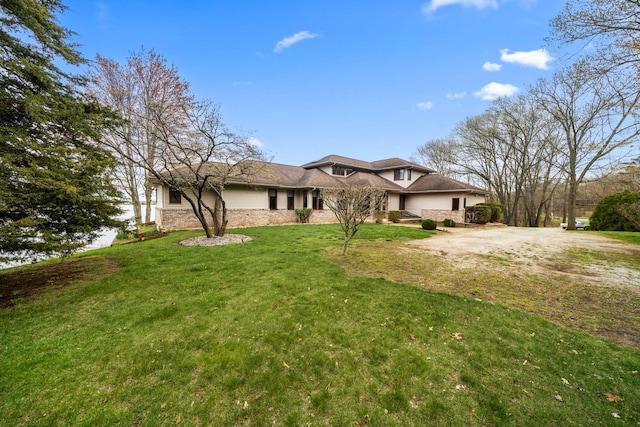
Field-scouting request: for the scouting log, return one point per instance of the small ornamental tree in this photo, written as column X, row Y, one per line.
column 352, row 205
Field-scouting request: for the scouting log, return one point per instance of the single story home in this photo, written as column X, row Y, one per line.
column 276, row 190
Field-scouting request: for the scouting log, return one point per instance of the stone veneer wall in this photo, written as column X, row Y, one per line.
column 184, row 219
column 440, row 215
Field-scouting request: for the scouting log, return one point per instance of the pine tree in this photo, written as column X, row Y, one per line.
column 55, row 191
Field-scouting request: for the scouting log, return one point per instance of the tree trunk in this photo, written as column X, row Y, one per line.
column 148, row 194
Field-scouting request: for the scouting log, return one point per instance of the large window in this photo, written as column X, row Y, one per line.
column 455, row 204
column 273, row 199
column 398, row 175
column 290, row 196
column 175, row 198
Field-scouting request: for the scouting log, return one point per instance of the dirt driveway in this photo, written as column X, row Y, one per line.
column 539, row 250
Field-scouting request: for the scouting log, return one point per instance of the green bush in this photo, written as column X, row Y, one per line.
column 607, row 217
column 479, row 214
column 448, row 222
column 394, row 216
column 303, row 215
column 379, row 216
column 429, row 224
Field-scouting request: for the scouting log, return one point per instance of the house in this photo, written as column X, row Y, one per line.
column 276, row 190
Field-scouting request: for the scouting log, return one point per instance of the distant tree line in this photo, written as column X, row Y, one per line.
column 547, row 141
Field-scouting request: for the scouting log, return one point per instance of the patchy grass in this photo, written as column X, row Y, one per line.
column 572, row 301
column 274, row 332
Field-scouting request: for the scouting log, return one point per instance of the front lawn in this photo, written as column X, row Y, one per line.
column 275, row 332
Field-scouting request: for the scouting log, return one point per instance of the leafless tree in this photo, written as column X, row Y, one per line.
column 199, row 156
column 352, row 205
column 439, row 154
column 142, row 90
column 595, row 113
column 611, row 26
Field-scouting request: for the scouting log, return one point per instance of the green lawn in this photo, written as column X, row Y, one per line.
column 275, row 332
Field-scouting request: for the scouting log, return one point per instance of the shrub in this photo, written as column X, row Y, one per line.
column 448, row 222
column 479, row 214
column 429, row 224
column 303, row 215
column 379, row 216
column 607, row 215
column 394, row 216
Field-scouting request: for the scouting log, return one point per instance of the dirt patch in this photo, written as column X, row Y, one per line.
column 538, row 250
column 20, row 285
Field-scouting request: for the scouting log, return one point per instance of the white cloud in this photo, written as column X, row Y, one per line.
column 255, row 142
column 495, row 90
column 291, row 40
column 456, row 95
column 490, row 66
column 536, row 58
column 425, row 106
column 478, row 4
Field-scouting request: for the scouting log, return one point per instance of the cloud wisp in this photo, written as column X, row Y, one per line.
column 494, row 90
column 291, row 40
column 433, row 5
column 425, row 106
column 535, row 58
column 491, row 67
column 458, row 95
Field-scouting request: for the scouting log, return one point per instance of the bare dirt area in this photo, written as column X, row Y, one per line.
column 541, row 251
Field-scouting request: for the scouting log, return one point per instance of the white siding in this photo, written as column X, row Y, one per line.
column 247, row 198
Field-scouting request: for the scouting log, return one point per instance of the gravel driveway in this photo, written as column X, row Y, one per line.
column 537, row 249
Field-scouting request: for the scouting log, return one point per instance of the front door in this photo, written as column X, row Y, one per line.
column 402, row 197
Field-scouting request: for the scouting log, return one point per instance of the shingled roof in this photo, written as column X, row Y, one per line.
column 441, row 183
column 310, row 176
column 377, row 166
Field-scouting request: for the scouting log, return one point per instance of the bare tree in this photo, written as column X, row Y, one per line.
column 595, row 113
column 439, row 154
column 352, row 205
column 143, row 90
column 198, row 157
column 612, row 26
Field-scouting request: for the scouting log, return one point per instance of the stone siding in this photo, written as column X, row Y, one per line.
column 440, row 215
column 184, row 219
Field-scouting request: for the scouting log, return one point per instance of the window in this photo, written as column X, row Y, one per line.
column 408, row 174
column 464, row 202
column 273, row 199
column 455, row 204
column 290, row 195
column 175, row 197
column 305, row 196
column 316, row 200
column 339, row 170
column 398, row 175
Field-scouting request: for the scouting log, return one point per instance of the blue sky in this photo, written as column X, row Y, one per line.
column 364, row 79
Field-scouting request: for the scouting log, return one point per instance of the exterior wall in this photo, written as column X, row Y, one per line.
column 247, row 198
column 440, row 215
column 184, row 219
column 393, row 203
column 388, row 175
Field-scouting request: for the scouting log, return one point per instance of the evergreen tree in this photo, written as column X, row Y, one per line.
column 55, row 191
